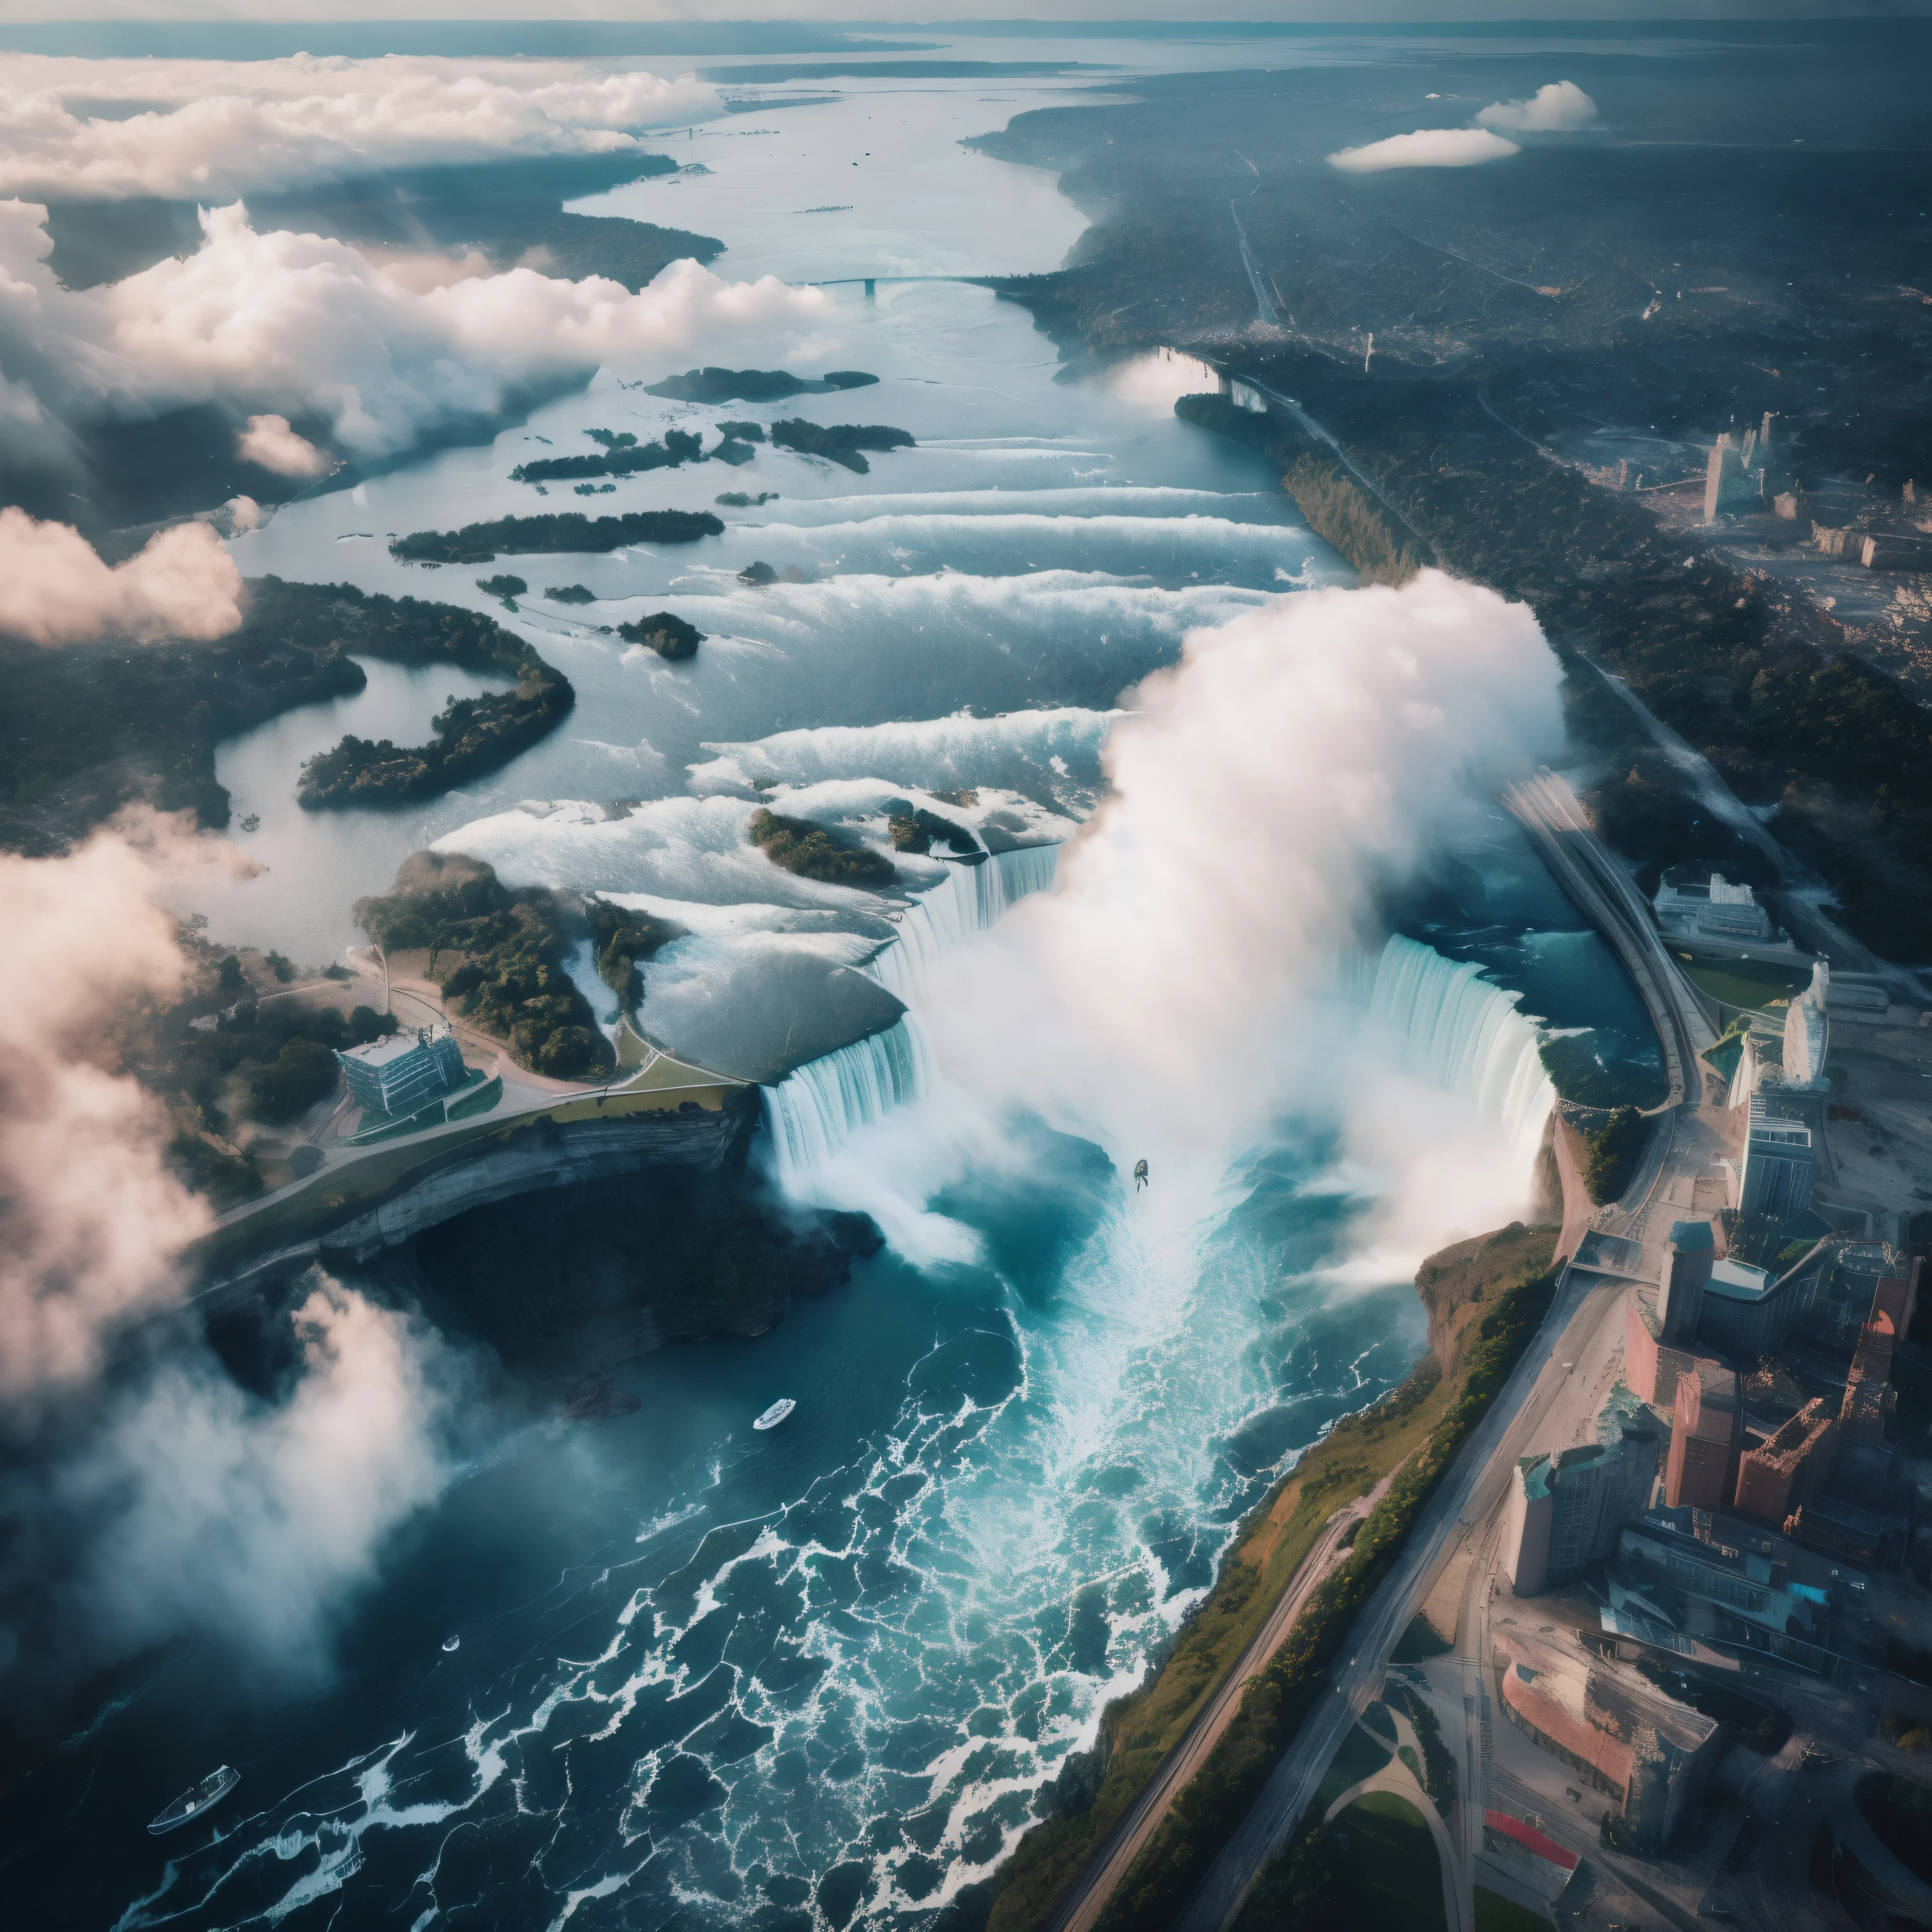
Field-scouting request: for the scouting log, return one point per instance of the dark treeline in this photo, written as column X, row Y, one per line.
column 567, row 531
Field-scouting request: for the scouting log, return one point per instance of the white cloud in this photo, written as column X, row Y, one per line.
column 1556, row 109
column 161, row 1497
column 1427, row 148
column 268, row 443
column 224, row 129
column 54, row 589
column 288, row 325
column 1157, row 381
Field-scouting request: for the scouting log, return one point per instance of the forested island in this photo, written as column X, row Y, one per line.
column 93, row 727
column 754, row 385
column 839, row 442
column 814, row 852
column 566, row 532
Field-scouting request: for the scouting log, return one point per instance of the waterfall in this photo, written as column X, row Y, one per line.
column 971, row 898
column 1468, row 1036
column 812, row 1113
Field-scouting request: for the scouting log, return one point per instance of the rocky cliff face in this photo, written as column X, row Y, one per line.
column 566, row 1284
column 1456, row 1282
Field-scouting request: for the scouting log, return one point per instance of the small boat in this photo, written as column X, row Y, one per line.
column 200, row 1798
column 776, row 1414
column 450, row 1643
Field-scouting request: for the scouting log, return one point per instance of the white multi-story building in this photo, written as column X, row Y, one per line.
column 395, row 1076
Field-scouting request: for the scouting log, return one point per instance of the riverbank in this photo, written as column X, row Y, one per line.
column 1413, row 1433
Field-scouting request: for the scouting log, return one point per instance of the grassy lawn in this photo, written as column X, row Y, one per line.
column 1389, row 1878
column 1745, row 982
column 1361, row 1756
column 1495, row 1913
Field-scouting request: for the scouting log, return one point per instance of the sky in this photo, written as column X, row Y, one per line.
column 20, row 12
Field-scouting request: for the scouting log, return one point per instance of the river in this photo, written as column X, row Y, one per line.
column 816, row 1677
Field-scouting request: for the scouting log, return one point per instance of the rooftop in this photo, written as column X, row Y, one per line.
column 381, row 1052
column 1738, row 1281
column 1687, row 1235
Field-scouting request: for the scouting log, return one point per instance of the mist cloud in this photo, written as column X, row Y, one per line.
column 1559, row 108
column 298, row 325
column 1178, row 994
column 143, row 1493
column 1427, row 148
column 268, row 443
column 54, row 589
column 218, row 130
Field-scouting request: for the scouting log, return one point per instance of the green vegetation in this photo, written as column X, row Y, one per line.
column 813, row 852
column 1272, row 1711
column 1374, row 1870
column 1613, row 1152
column 623, row 456
column 1486, row 1297
column 1358, row 1757
column 508, row 949
column 742, row 432
column 91, row 727
column 472, row 735
column 1495, row 1913
column 270, row 1064
column 758, row 574
column 571, row 593
column 565, row 531
column 736, row 499
column 669, row 637
column 839, row 442
column 753, row 386
column 1345, row 516
column 916, row 830
column 503, row 586
column 624, row 941
column 1438, row 1774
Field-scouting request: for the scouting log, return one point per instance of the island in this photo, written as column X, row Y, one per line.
column 567, row 532
column 754, row 385
column 839, row 442
column 814, row 852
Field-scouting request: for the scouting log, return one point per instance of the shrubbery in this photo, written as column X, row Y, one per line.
column 813, row 852
column 510, row 979
column 1614, row 1151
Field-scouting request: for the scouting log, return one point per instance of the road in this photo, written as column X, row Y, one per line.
column 1535, row 1409
column 1474, row 1489
column 1594, row 881
column 1123, row 1844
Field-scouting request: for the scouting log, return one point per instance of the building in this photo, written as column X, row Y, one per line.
column 1651, row 1367
column 397, row 1076
column 1690, row 1257
column 1618, row 1731
column 1779, row 1163
column 1719, row 1578
column 1747, row 1312
column 1717, row 911
column 1807, row 1032
column 1566, row 1508
column 1785, row 1470
column 1706, row 1434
